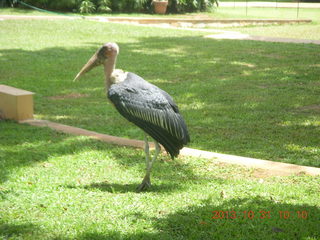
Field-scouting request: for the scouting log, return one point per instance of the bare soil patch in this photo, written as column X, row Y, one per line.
column 68, row 96
column 310, row 108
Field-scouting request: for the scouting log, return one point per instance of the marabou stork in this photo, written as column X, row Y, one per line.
column 142, row 103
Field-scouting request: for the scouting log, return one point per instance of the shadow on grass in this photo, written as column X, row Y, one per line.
column 23, row 145
column 125, row 188
column 238, row 97
column 192, row 222
column 251, row 221
column 17, row 231
column 244, row 102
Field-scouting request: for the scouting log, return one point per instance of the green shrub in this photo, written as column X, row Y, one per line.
column 104, row 6
column 181, row 6
column 131, row 5
column 87, row 7
column 64, row 5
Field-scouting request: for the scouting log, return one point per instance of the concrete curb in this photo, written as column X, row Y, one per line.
column 172, row 21
column 197, row 21
column 83, row 132
column 272, row 168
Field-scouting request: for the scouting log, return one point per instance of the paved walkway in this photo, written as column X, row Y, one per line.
column 233, row 35
column 187, row 24
column 270, row 168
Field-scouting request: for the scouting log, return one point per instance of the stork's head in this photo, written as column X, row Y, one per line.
column 104, row 53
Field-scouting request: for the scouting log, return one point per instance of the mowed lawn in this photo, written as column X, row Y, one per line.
column 294, row 30
column 56, row 186
column 241, row 97
column 246, row 98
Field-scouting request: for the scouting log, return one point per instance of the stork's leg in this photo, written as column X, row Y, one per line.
column 157, row 151
column 146, row 183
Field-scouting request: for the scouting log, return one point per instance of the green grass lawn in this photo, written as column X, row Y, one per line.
column 57, row 186
column 300, row 31
column 264, row 13
column 246, row 98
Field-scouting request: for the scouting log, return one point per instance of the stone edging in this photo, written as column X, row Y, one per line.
column 272, row 168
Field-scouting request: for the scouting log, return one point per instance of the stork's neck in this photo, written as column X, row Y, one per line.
column 109, row 67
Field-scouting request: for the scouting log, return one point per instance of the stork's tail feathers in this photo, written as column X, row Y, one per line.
column 171, row 143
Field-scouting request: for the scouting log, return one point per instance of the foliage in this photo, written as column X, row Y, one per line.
column 131, row 5
column 87, row 7
column 182, row 6
column 104, row 6
column 64, row 5
column 90, row 6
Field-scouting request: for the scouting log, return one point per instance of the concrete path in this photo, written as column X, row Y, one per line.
column 187, row 24
column 266, row 168
column 180, row 22
column 233, row 35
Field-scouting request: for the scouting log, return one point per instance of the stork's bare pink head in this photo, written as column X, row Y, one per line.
column 104, row 53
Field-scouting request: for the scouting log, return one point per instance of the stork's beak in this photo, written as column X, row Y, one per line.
column 94, row 61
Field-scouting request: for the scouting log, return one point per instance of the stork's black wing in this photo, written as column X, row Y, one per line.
column 151, row 109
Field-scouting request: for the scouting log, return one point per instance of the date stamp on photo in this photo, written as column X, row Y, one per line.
column 260, row 214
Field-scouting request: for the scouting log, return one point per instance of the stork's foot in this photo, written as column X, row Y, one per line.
column 146, row 183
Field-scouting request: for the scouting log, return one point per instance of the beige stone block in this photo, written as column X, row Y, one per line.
column 15, row 104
